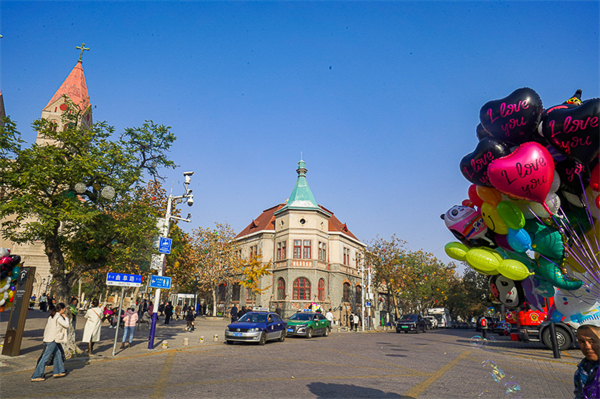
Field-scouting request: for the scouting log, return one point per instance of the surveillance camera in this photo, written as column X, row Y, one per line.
column 190, row 201
column 188, row 177
column 188, row 173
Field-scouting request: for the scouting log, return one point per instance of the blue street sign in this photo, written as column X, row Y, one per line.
column 124, row 280
column 368, row 304
column 161, row 282
column 164, row 246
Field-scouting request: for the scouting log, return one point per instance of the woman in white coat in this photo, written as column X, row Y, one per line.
column 54, row 334
column 91, row 331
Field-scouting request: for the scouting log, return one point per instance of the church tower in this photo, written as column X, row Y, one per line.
column 75, row 88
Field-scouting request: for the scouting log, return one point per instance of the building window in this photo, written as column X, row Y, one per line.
column 346, row 297
column 222, row 292
column 301, row 289
column 283, row 250
column 235, row 295
column 253, row 251
column 358, row 294
column 321, row 289
column 278, row 251
column 322, row 252
column 250, row 294
column 297, row 249
column 347, row 256
column 307, row 249
column 280, row 289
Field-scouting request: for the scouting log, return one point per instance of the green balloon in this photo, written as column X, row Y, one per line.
column 511, row 214
column 15, row 272
column 456, row 250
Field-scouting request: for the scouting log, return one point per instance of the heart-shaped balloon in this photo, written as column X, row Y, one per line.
column 513, row 119
column 575, row 132
column 527, row 173
column 474, row 165
column 574, row 176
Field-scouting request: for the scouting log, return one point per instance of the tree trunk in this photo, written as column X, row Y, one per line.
column 70, row 347
column 214, row 297
column 395, row 306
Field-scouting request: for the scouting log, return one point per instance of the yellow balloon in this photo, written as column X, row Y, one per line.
column 514, row 270
column 492, row 219
column 483, row 260
column 456, row 250
column 11, row 293
column 489, row 195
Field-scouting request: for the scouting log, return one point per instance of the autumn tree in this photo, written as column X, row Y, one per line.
column 250, row 271
column 81, row 195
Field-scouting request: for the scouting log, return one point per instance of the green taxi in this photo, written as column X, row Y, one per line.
column 308, row 324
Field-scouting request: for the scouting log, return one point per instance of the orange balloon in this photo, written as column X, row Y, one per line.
column 1, row 309
column 489, row 195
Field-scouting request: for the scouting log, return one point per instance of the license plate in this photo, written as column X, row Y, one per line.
column 237, row 334
column 404, row 326
column 290, row 330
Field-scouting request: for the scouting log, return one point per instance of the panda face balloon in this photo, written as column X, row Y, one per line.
column 507, row 291
column 465, row 223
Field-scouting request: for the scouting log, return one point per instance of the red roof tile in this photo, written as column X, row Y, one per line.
column 75, row 87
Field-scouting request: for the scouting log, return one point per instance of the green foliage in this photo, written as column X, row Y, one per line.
column 58, row 193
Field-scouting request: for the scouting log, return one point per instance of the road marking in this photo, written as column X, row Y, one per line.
column 163, row 379
column 418, row 389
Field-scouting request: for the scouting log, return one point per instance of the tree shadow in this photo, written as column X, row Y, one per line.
column 324, row 390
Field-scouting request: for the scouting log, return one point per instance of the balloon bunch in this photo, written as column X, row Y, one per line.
column 10, row 265
column 532, row 212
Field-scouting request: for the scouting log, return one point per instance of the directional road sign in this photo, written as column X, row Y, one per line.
column 160, row 282
column 368, row 304
column 164, row 246
column 124, row 280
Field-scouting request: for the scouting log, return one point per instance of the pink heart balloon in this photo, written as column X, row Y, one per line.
column 527, row 173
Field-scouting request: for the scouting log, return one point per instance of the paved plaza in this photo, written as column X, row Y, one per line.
column 438, row 364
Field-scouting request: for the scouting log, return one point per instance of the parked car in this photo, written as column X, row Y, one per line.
column 502, row 328
column 308, row 324
column 431, row 322
column 411, row 322
column 257, row 327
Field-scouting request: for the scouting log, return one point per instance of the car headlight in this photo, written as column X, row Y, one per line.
column 254, row 329
column 302, row 326
column 227, row 328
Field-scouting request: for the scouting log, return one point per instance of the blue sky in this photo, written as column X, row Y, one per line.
column 381, row 98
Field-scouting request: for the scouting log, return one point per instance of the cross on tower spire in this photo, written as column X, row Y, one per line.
column 82, row 48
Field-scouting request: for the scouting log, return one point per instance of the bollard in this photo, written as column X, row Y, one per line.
column 216, row 338
column 339, row 329
column 186, row 342
column 165, row 344
column 201, row 340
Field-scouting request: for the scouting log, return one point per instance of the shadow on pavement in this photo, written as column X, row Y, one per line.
column 323, row 390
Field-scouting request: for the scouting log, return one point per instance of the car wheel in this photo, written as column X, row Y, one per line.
column 562, row 337
column 228, row 342
column 309, row 333
column 416, row 330
column 282, row 338
column 263, row 338
column 398, row 331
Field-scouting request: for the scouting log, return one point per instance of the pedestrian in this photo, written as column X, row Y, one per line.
column 161, row 309
column 55, row 333
column 129, row 321
column 185, row 308
column 51, row 302
column 587, row 376
column 356, row 321
column 351, row 320
column 32, row 302
column 93, row 324
column 150, row 308
column 190, row 316
column 241, row 312
column 107, row 314
column 483, row 324
column 177, row 311
column 329, row 316
column 73, row 309
column 234, row 313
column 168, row 312
column 43, row 302
column 144, row 306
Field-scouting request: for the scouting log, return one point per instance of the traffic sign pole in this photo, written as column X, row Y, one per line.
column 118, row 320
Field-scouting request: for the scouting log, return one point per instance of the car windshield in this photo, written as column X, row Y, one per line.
column 409, row 317
column 301, row 316
column 253, row 318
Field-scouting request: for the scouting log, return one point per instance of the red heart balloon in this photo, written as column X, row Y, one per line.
column 527, row 173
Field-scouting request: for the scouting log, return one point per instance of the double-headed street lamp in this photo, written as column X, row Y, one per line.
column 164, row 232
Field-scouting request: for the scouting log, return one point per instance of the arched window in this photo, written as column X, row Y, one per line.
column 321, row 289
column 235, row 295
column 358, row 294
column 280, row 289
column 301, row 289
column 346, row 297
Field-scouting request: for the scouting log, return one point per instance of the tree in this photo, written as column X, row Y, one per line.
column 81, row 195
column 250, row 272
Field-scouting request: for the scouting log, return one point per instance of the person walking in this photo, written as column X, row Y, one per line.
column 329, row 316
column 55, row 333
column 351, row 320
column 93, row 324
column 74, row 311
column 168, row 312
column 150, row 308
column 129, row 320
column 234, row 313
column 177, row 311
column 356, row 321
column 43, row 302
column 190, row 316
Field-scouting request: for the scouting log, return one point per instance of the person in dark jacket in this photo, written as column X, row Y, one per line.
column 587, row 375
column 168, row 312
column 189, row 317
column 234, row 313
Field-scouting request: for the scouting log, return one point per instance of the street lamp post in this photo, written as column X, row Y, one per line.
column 164, row 233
